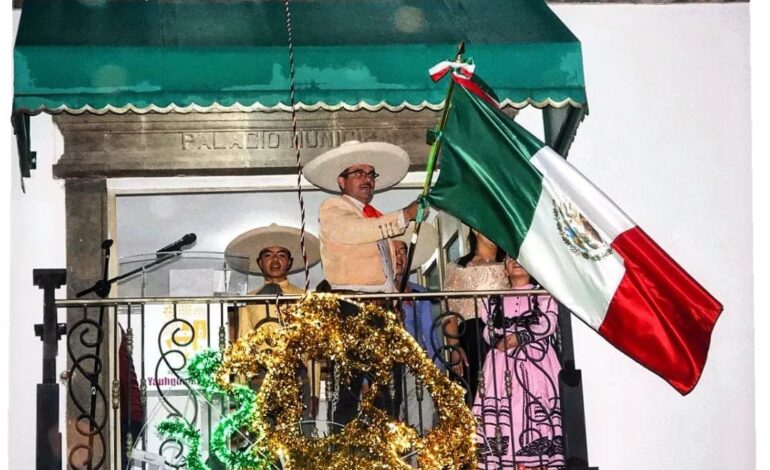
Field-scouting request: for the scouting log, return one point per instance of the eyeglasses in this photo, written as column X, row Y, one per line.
column 361, row 174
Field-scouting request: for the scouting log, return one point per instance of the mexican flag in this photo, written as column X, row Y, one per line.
column 498, row 178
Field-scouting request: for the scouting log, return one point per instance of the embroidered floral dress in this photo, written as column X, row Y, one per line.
column 484, row 276
column 517, row 406
column 473, row 277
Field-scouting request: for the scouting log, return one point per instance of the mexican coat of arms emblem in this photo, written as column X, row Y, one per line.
column 578, row 233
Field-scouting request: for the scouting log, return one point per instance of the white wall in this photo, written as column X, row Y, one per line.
column 760, row 167
column 667, row 139
column 6, row 92
column 37, row 241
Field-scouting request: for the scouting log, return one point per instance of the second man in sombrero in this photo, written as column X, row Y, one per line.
column 270, row 252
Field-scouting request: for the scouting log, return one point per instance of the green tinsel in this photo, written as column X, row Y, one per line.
column 183, row 432
column 201, row 371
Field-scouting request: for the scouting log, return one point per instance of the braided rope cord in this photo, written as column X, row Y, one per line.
column 295, row 136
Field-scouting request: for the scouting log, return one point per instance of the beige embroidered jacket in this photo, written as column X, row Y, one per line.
column 350, row 254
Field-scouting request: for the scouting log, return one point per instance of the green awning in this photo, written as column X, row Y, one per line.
column 163, row 56
column 181, row 55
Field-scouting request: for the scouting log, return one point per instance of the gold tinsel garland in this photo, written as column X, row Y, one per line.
column 370, row 341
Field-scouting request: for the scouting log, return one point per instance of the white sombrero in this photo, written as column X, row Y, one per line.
column 390, row 161
column 427, row 243
column 241, row 253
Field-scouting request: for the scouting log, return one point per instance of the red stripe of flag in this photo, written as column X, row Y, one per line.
column 659, row 315
column 474, row 88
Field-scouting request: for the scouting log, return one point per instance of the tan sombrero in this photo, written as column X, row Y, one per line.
column 241, row 253
column 390, row 161
column 427, row 243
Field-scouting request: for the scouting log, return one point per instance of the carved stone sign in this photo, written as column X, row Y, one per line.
column 266, row 140
column 225, row 143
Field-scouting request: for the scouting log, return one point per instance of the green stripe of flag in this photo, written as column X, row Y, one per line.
column 486, row 178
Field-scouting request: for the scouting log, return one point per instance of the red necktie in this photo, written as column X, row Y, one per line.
column 370, row 212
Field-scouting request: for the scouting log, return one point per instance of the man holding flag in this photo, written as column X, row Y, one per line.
column 499, row 179
column 355, row 237
column 355, row 249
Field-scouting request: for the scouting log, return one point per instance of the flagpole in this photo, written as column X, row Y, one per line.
column 430, row 167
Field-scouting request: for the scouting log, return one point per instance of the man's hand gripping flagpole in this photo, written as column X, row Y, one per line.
column 437, row 72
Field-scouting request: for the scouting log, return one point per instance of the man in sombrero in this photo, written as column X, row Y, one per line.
column 270, row 252
column 355, row 237
column 355, row 249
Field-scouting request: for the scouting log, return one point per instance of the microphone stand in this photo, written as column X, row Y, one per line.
column 103, row 286
column 102, row 289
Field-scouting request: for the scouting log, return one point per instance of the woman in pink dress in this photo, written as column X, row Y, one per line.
column 481, row 269
column 518, row 408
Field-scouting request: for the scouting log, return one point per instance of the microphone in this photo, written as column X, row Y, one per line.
column 177, row 245
column 270, row 288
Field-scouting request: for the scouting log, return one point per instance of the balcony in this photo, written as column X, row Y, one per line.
column 127, row 359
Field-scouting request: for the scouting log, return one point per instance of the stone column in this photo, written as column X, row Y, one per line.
column 88, row 401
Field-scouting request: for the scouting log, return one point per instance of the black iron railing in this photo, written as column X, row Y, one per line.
column 152, row 339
